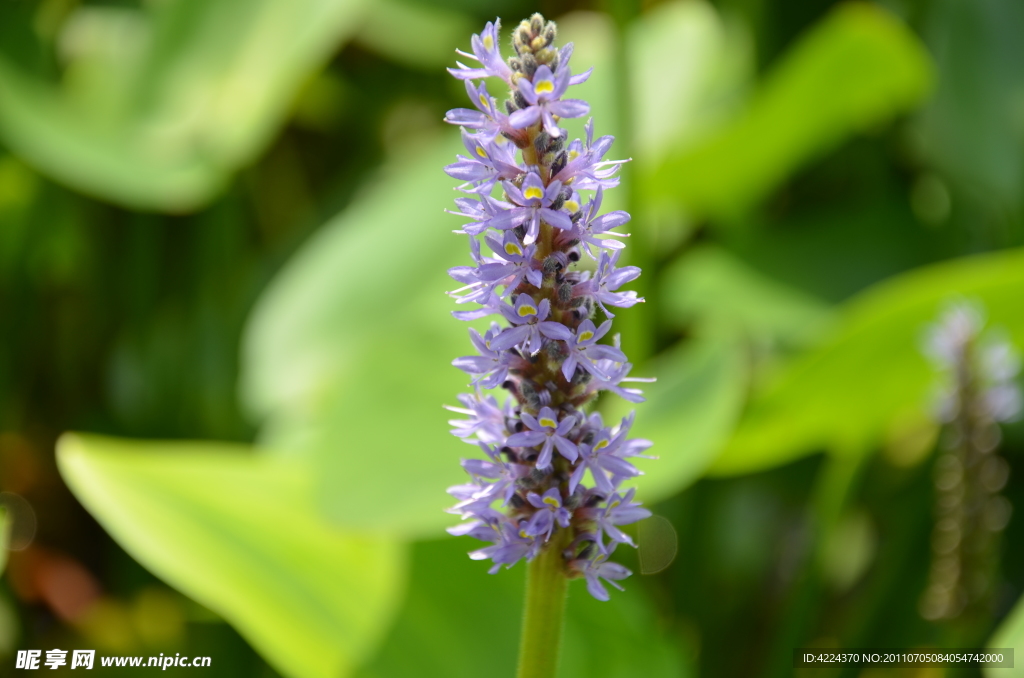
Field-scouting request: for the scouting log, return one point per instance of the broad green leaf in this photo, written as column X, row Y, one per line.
column 689, row 413
column 414, row 34
column 853, row 71
column 238, row 533
column 688, row 70
column 460, row 622
column 1010, row 634
column 719, row 293
column 870, row 374
column 348, row 353
column 198, row 95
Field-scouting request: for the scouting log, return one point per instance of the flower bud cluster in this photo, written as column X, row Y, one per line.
column 523, row 187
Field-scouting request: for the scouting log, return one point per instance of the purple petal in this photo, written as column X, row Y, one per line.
column 510, row 337
column 553, row 330
column 569, row 108
column 466, row 117
column 566, row 448
column 569, row 366
column 559, row 220
column 474, row 364
column 526, row 439
column 524, row 118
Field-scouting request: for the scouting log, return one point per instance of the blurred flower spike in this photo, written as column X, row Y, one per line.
column 529, row 494
column 978, row 390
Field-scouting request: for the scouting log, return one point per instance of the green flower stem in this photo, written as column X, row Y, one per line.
column 543, row 615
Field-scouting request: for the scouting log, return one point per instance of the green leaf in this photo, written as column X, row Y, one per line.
column 719, row 293
column 415, row 35
column 711, row 64
column 853, row 71
column 1010, row 634
column 689, row 413
column 459, row 622
column 971, row 129
column 350, row 362
column 236, row 531
column 201, row 95
column 870, row 374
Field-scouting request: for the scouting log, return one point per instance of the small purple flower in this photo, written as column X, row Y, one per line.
column 617, row 374
column 550, row 511
column 590, row 227
column 485, row 50
column 512, row 544
column 618, row 510
column 584, row 349
column 514, row 264
column 487, row 118
column 606, row 280
column 598, row 568
column 533, row 205
column 526, row 317
column 501, row 474
column 490, row 368
column 488, row 163
column 547, row 431
column 544, row 94
column 605, row 467
column 486, row 419
column 480, row 211
column 586, row 167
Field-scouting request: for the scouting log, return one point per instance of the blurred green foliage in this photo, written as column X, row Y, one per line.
column 222, row 220
column 238, row 533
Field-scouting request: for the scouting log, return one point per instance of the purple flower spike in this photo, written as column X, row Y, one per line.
column 530, row 490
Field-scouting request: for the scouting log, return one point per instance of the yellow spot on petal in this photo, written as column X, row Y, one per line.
column 512, row 248
column 488, row 43
column 550, row 423
column 522, row 533
column 572, row 206
column 533, row 192
column 544, row 87
column 484, row 101
column 600, row 445
column 481, row 152
column 526, row 310
column 583, row 336
column 614, row 504
column 551, row 501
column 573, row 155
